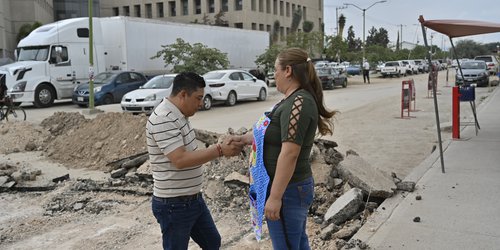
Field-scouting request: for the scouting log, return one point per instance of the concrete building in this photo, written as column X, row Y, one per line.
column 16, row 13
column 244, row 14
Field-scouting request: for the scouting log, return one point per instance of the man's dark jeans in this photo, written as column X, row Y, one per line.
column 181, row 218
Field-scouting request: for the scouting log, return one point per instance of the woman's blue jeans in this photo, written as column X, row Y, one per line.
column 180, row 219
column 297, row 200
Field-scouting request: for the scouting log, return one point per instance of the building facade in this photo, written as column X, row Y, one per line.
column 16, row 13
column 245, row 14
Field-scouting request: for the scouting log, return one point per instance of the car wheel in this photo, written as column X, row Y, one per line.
column 231, row 99
column 82, row 105
column 344, row 84
column 44, row 96
column 108, row 99
column 207, row 103
column 262, row 95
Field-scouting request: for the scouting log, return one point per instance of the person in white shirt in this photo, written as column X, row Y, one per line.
column 366, row 71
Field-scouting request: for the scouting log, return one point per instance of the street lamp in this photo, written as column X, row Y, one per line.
column 364, row 10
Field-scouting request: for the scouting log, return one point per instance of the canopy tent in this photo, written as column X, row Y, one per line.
column 453, row 28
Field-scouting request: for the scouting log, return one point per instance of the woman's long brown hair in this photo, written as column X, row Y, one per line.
column 303, row 70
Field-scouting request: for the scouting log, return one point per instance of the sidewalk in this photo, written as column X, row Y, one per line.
column 459, row 209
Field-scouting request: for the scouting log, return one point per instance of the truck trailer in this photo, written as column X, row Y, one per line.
column 54, row 58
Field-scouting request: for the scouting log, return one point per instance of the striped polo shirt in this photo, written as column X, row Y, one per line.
column 168, row 129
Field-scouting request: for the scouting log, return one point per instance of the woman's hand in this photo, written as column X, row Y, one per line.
column 272, row 209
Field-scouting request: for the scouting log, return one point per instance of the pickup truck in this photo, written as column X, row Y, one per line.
column 393, row 68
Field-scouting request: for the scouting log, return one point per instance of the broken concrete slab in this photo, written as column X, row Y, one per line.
column 345, row 207
column 237, row 178
column 361, row 174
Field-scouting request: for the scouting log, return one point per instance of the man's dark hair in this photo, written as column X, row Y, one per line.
column 188, row 81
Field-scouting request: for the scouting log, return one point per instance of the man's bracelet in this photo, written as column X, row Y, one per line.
column 219, row 149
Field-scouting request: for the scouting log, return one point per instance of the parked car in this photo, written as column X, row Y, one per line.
column 491, row 62
column 393, row 68
column 331, row 77
column 422, row 65
column 109, row 87
column 353, row 70
column 474, row 71
column 147, row 97
column 232, row 85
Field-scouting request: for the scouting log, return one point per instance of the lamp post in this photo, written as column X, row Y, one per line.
column 364, row 10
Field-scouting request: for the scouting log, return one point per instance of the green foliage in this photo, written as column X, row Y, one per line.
column 296, row 18
column 311, row 42
column 196, row 58
column 26, row 29
column 267, row 59
column 342, row 20
column 276, row 32
column 307, row 26
column 219, row 19
column 470, row 49
column 335, row 48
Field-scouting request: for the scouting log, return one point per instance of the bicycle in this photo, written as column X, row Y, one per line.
column 11, row 112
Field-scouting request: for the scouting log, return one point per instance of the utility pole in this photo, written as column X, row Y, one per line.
column 401, row 35
column 91, row 60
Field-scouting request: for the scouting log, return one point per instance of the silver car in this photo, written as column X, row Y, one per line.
column 147, row 97
column 232, row 85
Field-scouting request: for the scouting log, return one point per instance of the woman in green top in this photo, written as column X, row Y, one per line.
column 288, row 140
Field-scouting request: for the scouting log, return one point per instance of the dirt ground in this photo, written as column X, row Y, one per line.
column 91, row 210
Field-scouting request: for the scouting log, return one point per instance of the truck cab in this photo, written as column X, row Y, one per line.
column 51, row 61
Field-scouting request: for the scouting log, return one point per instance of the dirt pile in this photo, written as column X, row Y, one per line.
column 21, row 136
column 81, row 143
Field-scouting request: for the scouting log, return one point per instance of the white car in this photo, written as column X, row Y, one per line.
column 232, row 85
column 147, row 97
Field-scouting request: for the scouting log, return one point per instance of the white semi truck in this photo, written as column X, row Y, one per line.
column 54, row 58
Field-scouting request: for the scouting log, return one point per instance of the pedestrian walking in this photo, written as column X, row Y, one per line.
column 366, row 71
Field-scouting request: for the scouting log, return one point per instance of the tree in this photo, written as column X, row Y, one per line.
column 307, row 26
column 276, row 32
column 26, row 29
column 196, row 58
column 397, row 43
column 342, row 20
column 335, row 48
column 353, row 44
column 269, row 57
column 219, row 19
column 311, row 42
column 206, row 19
column 370, row 39
column 470, row 49
column 296, row 18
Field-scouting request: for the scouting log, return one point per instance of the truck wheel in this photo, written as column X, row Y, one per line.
column 108, row 99
column 344, row 84
column 207, row 103
column 262, row 95
column 231, row 99
column 44, row 96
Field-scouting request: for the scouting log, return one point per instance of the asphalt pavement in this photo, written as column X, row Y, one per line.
column 458, row 209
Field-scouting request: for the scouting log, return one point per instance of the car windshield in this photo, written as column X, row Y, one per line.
column 213, row 75
column 473, row 65
column 104, row 77
column 389, row 64
column 484, row 58
column 38, row 53
column 159, row 82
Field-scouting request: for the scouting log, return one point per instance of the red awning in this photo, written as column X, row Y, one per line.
column 458, row 28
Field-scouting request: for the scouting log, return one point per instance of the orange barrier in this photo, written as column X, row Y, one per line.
column 407, row 97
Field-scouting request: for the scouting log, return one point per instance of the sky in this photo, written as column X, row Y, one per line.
column 395, row 15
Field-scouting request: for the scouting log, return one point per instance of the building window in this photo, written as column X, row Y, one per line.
column 287, row 31
column 116, row 11
column 238, row 4
column 268, row 6
column 268, row 28
column 224, row 5
column 149, row 11
column 282, row 34
column 171, row 8
column 304, row 13
column 252, row 5
column 275, row 7
column 159, row 10
column 238, row 25
column 137, row 10
column 281, row 8
column 287, row 9
column 293, row 8
column 261, row 26
column 197, row 7
column 126, row 10
column 184, row 6
column 320, row 5
column 254, row 26
column 211, row 6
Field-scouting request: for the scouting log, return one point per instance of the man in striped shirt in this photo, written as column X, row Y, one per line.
column 176, row 163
